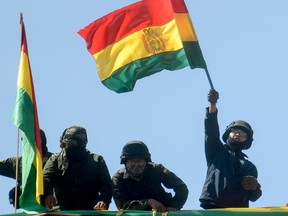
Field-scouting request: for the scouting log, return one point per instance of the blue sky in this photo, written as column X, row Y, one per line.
column 245, row 47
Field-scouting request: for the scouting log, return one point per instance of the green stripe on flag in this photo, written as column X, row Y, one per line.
column 124, row 79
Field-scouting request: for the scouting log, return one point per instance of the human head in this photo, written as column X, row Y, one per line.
column 135, row 149
column 242, row 125
column 43, row 142
column 135, row 156
column 76, row 135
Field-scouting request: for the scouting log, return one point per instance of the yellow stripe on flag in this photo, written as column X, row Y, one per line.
column 38, row 164
column 185, row 27
column 137, row 46
column 24, row 78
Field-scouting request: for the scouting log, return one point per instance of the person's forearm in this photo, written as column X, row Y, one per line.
column 212, row 108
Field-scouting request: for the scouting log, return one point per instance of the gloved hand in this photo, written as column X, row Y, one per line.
column 213, row 96
column 249, row 183
column 12, row 195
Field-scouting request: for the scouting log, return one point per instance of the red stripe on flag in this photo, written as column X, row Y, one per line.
column 125, row 21
column 179, row 6
column 24, row 48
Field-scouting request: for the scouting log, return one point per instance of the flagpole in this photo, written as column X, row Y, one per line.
column 209, row 78
column 17, row 172
column 17, row 149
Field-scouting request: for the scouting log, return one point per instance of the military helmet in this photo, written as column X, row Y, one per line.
column 135, row 149
column 243, row 125
column 74, row 134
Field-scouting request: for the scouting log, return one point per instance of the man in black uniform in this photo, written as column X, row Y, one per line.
column 79, row 178
column 138, row 186
column 8, row 169
column 231, row 179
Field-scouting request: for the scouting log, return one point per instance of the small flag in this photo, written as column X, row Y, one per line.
column 142, row 39
column 25, row 117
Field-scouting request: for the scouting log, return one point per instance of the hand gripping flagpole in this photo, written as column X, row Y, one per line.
column 209, row 78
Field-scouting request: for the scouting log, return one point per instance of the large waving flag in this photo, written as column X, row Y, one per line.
column 142, row 39
column 25, row 117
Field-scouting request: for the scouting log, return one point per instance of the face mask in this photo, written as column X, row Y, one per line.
column 136, row 170
column 75, row 154
column 236, row 146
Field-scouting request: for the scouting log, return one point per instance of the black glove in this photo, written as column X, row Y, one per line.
column 12, row 196
column 249, row 183
column 213, row 96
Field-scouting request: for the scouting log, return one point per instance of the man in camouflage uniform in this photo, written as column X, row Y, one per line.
column 138, row 186
column 79, row 179
column 8, row 169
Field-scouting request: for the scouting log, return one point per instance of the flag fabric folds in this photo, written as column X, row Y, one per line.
column 25, row 117
column 142, row 39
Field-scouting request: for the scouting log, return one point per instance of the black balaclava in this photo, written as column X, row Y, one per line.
column 75, row 153
column 237, row 147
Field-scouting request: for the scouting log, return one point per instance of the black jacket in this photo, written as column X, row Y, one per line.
column 131, row 194
column 222, row 187
column 78, row 186
column 8, row 166
column 8, row 169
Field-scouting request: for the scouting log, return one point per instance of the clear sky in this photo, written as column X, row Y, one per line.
column 245, row 47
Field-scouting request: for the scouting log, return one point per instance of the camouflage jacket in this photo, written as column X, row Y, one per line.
column 77, row 186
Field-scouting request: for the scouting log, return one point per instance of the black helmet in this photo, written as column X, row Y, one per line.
column 134, row 149
column 243, row 125
column 75, row 134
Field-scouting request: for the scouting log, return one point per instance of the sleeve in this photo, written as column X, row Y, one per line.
column 255, row 195
column 171, row 181
column 8, row 168
column 121, row 198
column 118, row 190
column 212, row 134
column 105, row 189
column 49, row 173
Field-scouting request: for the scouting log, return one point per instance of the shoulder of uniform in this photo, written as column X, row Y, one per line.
column 54, row 156
column 158, row 166
column 120, row 172
column 97, row 157
column 153, row 164
column 48, row 154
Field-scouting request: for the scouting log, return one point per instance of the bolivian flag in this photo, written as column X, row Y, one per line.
column 25, row 117
column 142, row 39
